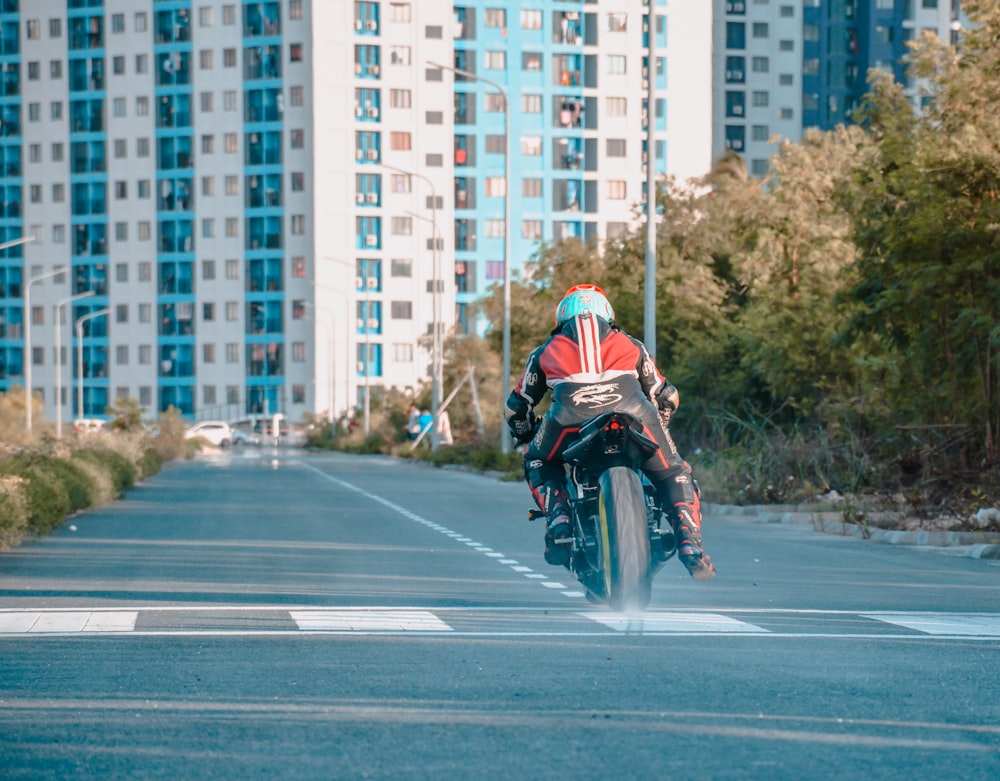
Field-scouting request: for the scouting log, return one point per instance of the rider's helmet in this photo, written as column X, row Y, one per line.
column 584, row 299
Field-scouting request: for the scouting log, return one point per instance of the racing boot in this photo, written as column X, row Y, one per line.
column 558, row 537
column 686, row 520
column 550, row 496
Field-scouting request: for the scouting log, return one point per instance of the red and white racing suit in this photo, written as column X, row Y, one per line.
column 592, row 367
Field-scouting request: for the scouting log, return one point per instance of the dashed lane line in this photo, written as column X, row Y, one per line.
column 456, row 536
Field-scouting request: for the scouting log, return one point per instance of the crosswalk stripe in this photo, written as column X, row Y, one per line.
column 973, row 625
column 369, row 621
column 653, row 622
column 68, row 621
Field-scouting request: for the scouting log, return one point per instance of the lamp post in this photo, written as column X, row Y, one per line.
column 649, row 297
column 59, row 361
column 505, row 443
column 436, row 358
column 79, row 356
column 27, row 329
column 347, row 340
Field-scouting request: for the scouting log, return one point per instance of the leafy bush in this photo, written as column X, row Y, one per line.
column 48, row 499
column 122, row 471
column 13, row 510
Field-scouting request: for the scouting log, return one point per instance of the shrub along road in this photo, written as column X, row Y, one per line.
column 274, row 614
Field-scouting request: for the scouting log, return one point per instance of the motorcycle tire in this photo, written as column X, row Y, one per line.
column 624, row 539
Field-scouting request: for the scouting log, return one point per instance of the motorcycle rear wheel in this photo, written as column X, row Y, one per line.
column 624, row 539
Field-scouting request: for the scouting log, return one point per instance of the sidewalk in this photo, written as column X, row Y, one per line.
column 975, row 545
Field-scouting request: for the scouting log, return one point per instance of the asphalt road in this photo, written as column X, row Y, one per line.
column 262, row 614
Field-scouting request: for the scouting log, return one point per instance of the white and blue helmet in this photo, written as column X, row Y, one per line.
column 584, row 299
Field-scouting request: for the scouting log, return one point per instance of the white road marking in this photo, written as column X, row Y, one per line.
column 657, row 622
column 369, row 621
column 189, row 621
column 49, row 621
column 971, row 624
column 478, row 546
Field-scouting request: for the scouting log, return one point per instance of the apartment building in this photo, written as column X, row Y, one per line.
column 265, row 207
column 782, row 67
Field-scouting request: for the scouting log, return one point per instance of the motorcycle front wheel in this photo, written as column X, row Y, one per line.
column 624, row 539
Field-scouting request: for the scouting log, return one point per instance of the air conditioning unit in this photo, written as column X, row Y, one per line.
column 357, row 67
column 373, row 322
column 357, row 111
column 373, row 113
column 361, row 324
column 359, row 154
column 371, row 24
column 373, row 283
column 738, row 111
column 373, row 70
column 358, row 24
column 373, row 154
column 372, row 197
column 371, row 240
column 360, row 197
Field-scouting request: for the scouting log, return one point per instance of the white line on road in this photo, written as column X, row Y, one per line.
column 369, row 620
column 478, row 546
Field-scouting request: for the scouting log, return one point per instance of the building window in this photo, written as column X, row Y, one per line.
column 531, row 146
column 401, row 310
column 616, row 64
column 401, row 267
column 400, row 98
column 495, row 60
column 531, row 229
column 616, row 147
column 531, row 188
column 296, row 96
column 399, row 140
column 297, row 139
column 616, row 107
column 616, row 189
column 531, row 20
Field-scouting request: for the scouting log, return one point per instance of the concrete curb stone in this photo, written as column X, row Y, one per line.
column 975, row 545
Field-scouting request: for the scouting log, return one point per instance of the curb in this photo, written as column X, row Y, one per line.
column 974, row 545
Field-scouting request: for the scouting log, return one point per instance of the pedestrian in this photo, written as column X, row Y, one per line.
column 413, row 423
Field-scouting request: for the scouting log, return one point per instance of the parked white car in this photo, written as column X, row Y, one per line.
column 215, row 432
column 245, row 436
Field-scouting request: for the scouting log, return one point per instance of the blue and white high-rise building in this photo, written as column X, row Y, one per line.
column 273, row 205
column 783, row 67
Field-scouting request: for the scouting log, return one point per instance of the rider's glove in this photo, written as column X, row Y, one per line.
column 668, row 398
column 522, row 430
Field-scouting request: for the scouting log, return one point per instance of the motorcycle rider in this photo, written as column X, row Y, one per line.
column 592, row 365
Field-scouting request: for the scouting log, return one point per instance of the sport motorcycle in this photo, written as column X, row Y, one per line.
column 621, row 536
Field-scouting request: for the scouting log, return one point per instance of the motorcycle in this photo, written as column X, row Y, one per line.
column 621, row 536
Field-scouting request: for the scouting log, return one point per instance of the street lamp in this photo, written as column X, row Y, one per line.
column 436, row 358
column 59, row 361
column 79, row 356
column 27, row 327
column 505, row 443
column 347, row 341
